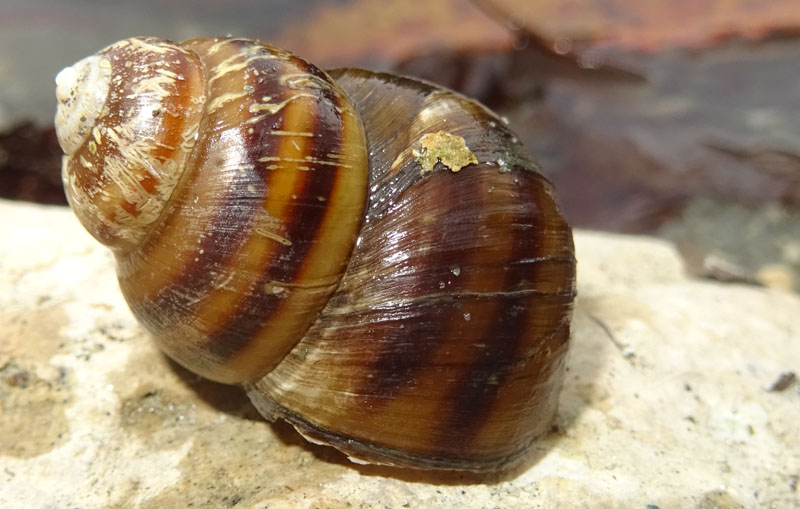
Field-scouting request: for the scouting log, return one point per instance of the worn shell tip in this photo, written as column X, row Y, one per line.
column 81, row 90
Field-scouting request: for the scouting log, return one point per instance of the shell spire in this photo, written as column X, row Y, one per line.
column 81, row 90
column 229, row 177
column 126, row 120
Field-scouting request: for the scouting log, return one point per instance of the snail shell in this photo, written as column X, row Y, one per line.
column 376, row 259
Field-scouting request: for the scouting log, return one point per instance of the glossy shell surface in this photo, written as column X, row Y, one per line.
column 378, row 260
column 264, row 182
column 444, row 344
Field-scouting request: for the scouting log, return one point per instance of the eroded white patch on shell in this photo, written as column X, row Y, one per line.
column 81, row 90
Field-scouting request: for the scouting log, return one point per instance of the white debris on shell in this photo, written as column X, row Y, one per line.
column 81, row 91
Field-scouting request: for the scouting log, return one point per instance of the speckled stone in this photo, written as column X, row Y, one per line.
column 667, row 399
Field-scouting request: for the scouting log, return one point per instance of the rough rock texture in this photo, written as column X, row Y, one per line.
column 670, row 398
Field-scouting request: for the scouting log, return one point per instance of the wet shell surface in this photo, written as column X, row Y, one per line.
column 376, row 259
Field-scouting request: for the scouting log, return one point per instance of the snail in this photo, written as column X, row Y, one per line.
column 375, row 259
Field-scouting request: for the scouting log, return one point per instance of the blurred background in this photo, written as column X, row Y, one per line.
column 675, row 118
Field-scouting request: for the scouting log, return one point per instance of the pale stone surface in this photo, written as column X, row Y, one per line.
column 665, row 401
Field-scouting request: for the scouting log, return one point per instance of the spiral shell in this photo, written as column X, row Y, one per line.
column 253, row 241
column 376, row 259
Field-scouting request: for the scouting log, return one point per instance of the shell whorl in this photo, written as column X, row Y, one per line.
column 444, row 345
column 376, row 259
column 262, row 196
column 126, row 131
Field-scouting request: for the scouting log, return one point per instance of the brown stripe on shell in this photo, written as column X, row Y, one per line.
column 120, row 179
column 306, row 215
column 252, row 237
column 168, row 296
column 231, row 215
column 322, row 224
column 334, row 238
column 328, row 386
column 425, row 282
column 436, row 321
column 474, row 398
column 532, row 382
column 421, row 393
column 447, row 379
column 480, row 332
column 475, row 270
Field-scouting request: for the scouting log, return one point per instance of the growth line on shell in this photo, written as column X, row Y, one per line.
column 292, row 133
column 273, row 236
column 266, row 108
column 547, row 258
column 143, row 46
column 165, row 146
column 222, row 285
column 221, row 100
column 398, row 304
column 300, row 81
column 242, row 168
column 166, row 72
column 220, row 43
column 306, row 286
column 235, row 63
column 307, row 159
column 154, row 86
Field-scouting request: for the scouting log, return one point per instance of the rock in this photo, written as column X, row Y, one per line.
column 665, row 402
column 776, row 275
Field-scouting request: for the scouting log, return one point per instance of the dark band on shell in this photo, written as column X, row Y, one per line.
column 378, row 260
